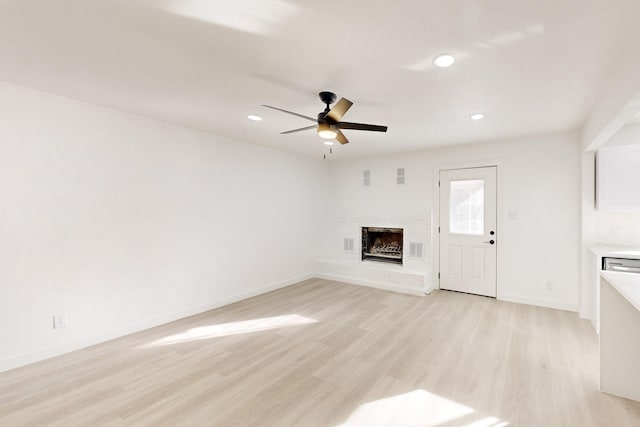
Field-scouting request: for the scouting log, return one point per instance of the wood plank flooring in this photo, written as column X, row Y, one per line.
column 322, row 353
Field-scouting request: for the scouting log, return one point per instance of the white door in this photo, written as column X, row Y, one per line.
column 468, row 234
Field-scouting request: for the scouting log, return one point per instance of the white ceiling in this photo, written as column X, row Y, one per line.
column 532, row 67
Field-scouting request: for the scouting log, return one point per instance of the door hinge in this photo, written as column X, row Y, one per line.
column 438, row 274
column 438, row 229
column 438, row 183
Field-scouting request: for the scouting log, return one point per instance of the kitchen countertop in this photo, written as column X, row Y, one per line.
column 616, row 251
column 627, row 284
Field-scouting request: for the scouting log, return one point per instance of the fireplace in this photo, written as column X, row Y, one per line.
column 382, row 244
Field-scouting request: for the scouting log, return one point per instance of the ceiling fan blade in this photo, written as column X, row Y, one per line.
column 361, row 126
column 298, row 130
column 291, row 112
column 339, row 109
column 341, row 138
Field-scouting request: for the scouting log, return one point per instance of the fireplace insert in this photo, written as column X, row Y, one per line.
column 382, row 244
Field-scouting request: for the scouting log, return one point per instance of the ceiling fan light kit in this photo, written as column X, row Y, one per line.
column 325, row 131
column 328, row 123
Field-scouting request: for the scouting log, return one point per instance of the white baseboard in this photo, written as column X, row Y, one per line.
column 538, row 302
column 77, row 344
column 373, row 284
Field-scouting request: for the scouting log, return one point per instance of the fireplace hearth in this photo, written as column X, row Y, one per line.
column 382, row 244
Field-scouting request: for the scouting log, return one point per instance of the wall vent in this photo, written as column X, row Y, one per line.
column 348, row 244
column 400, row 176
column 415, row 249
column 366, row 178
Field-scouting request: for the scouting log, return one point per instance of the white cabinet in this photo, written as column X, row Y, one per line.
column 590, row 308
column 618, row 178
column 619, row 338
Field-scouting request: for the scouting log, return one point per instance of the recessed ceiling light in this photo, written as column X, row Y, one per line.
column 328, row 143
column 477, row 116
column 254, row 117
column 443, row 61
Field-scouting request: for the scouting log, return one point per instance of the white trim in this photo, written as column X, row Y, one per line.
column 374, row 284
column 538, row 302
column 52, row 351
column 498, row 164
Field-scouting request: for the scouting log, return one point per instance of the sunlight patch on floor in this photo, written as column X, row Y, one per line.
column 416, row 408
column 252, row 16
column 487, row 422
column 233, row 328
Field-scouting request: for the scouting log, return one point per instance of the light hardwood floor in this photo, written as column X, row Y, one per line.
column 322, row 353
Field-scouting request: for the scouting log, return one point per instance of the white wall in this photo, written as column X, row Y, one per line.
column 123, row 222
column 540, row 185
column 617, row 228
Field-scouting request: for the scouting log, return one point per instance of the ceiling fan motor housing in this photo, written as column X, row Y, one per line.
column 322, row 117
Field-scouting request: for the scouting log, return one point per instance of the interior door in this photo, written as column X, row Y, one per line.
column 468, row 234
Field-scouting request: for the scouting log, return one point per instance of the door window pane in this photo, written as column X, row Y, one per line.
column 466, row 210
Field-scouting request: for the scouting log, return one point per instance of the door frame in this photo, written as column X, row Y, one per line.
column 498, row 164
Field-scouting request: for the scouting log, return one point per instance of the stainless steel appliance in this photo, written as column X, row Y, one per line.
column 625, row 265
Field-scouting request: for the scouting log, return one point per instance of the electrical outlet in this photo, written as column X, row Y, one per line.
column 549, row 285
column 615, row 228
column 60, row 321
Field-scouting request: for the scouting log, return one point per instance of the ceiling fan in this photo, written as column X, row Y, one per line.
column 329, row 124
